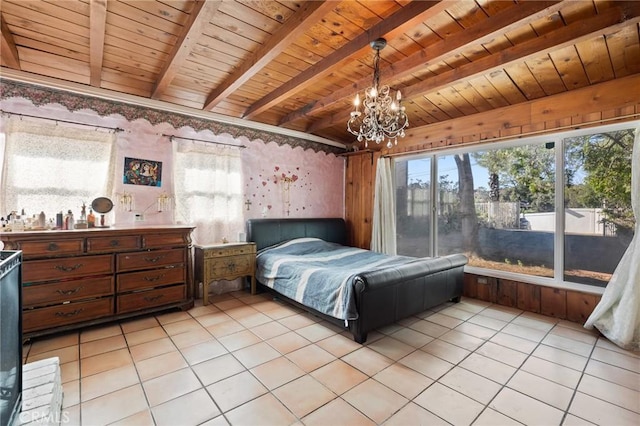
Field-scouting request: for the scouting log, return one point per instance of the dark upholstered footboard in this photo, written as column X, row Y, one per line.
column 382, row 297
column 387, row 296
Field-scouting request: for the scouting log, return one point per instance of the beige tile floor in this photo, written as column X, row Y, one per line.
column 250, row 360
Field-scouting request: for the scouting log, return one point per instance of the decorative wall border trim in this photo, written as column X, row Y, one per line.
column 73, row 102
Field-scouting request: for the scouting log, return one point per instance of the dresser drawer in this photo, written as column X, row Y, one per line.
column 229, row 267
column 165, row 239
column 57, row 269
column 48, row 294
column 70, row 313
column 148, row 279
column 148, row 299
column 149, row 259
column 113, row 243
column 51, row 248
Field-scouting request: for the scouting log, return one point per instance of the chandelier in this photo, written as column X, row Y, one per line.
column 381, row 117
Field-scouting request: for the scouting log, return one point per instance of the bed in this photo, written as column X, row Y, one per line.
column 363, row 298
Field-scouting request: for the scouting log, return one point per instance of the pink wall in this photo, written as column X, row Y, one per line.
column 318, row 189
column 313, row 184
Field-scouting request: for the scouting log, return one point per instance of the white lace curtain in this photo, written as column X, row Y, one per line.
column 54, row 167
column 208, row 190
column 383, row 235
column 617, row 316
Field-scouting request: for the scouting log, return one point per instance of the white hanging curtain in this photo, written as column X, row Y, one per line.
column 208, row 190
column 383, row 236
column 617, row 316
column 52, row 168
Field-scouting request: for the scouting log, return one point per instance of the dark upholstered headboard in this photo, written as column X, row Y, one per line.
column 267, row 232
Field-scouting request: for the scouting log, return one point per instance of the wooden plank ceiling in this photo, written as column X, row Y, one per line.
column 298, row 64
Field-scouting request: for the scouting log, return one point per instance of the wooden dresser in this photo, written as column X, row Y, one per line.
column 81, row 277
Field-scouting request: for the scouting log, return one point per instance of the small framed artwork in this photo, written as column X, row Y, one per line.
column 142, row 172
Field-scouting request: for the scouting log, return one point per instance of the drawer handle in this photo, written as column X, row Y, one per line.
column 69, row 314
column 69, row 292
column 156, row 278
column 153, row 259
column 68, row 268
column 114, row 243
column 153, row 298
column 53, row 247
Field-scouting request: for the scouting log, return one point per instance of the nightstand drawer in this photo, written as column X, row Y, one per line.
column 229, row 267
column 149, row 259
column 232, row 250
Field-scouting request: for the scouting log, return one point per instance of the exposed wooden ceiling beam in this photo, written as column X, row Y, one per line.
column 576, row 103
column 294, row 27
column 498, row 24
column 199, row 18
column 97, row 28
column 609, row 21
column 10, row 56
column 403, row 20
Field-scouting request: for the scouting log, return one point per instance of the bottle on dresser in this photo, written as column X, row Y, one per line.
column 91, row 219
column 69, row 221
column 81, row 223
column 42, row 220
column 17, row 225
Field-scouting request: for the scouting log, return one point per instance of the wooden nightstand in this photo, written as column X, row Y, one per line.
column 224, row 262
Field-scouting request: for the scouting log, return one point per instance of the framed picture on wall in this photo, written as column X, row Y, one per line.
column 142, row 172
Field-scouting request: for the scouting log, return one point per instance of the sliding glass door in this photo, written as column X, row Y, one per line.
column 555, row 207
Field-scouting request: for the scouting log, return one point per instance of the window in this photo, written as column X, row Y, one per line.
column 487, row 201
column 413, row 207
column 53, row 168
column 208, row 190
column 498, row 205
column 598, row 218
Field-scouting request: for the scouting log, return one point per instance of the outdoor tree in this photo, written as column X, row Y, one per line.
column 468, row 216
column 524, row 174
column 605, row 161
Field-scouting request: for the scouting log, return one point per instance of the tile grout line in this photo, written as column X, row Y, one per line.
column 575, row 389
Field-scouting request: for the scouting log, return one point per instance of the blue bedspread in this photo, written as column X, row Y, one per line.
column 320, row 274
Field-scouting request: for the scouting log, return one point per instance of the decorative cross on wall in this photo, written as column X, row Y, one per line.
column 248, row 204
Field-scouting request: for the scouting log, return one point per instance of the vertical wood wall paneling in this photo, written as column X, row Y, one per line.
column 558, row 303
column 580, row 306
column 507, row 293
column 348, row 198
column 487, row 287
column 529, row 297
column 553, row 302
column 359, row 191
column 470, row 286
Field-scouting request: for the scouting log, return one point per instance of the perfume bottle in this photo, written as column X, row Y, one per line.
column 91, row 219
